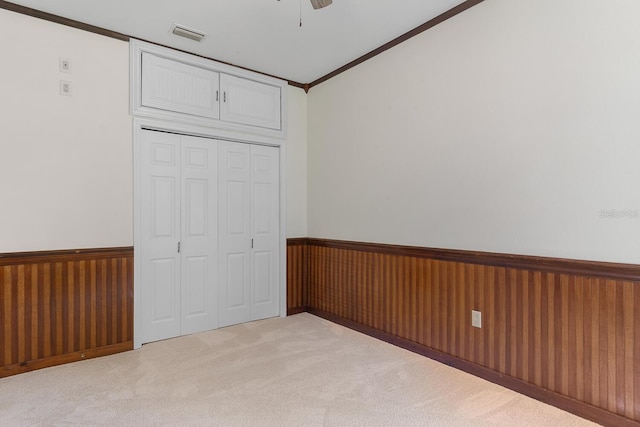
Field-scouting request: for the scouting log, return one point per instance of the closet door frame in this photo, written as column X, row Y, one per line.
column 141, row 124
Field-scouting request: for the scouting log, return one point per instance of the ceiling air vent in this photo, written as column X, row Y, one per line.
column 189, row 33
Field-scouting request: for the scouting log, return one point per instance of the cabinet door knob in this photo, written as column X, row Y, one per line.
column 224, row 96
column 217, row 95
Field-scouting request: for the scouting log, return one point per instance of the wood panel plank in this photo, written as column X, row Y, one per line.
column 628, row 331
column 636, row 351
column 35, row 313
column 445, row 305
column 586, row 372
column 419, row 289
column 371, row 296
column 537, row 309
column 565, row 341
column 47, row 298
column 20, row 310
column 513, row 338
column 462, row 315
column 435, row 306
column 57, row 318
column 480, row 306
column 474, row 336
column 6, row 308
column 503, row 318
column 595, row 341
column 70, row 309
column 618, row 307
column 612, row 345
column 82, row 305
column 524, row 328
column 93, row 304
column 579, row 362
column 113, row 302
column 428, row 303
column 103, row 317
column 605, row 326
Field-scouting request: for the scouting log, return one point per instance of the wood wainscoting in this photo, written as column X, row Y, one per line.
column 64, row 306
column 562, row 331
column 297, row 276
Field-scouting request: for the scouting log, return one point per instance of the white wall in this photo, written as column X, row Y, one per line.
column 65, row 162
column 513, row 127
column 296, row 166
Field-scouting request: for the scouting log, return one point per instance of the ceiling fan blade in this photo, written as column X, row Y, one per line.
column 319, row 4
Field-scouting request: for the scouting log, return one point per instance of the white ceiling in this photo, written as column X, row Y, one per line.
column 262, row 35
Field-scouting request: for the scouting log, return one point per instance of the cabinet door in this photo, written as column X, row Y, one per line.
column 234, row 222
column 178, row 87
column 250, row 102
column 199, row 241
column 160, row 234
column 265, row 225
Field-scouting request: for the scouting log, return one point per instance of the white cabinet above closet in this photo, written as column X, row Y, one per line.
column 249, row 102
column 172, row 85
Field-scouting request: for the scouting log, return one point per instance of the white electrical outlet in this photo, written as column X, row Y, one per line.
column 476, row 319
column 65, row 65
column 65, row 88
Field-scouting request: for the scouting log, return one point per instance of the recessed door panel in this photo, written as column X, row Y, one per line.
column 162, row 275
column 236, row 207
column 163, row 205
column 236, row 278
column 237, row 161
column 197, row 158
column 196, row 285
column 163, row 154
column 262, row 199
column 262, row 273
column 196, row 195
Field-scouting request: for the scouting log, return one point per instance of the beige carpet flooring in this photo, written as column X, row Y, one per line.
column 294, row 371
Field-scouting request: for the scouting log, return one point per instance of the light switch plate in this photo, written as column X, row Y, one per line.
column 65, row 65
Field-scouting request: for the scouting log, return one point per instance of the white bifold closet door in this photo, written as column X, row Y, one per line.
column 179, row 242
column 248, row 187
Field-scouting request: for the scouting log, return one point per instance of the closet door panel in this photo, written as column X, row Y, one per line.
column 160, row 234
column 199, row 291
column 234, row 225
column 265, row 225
